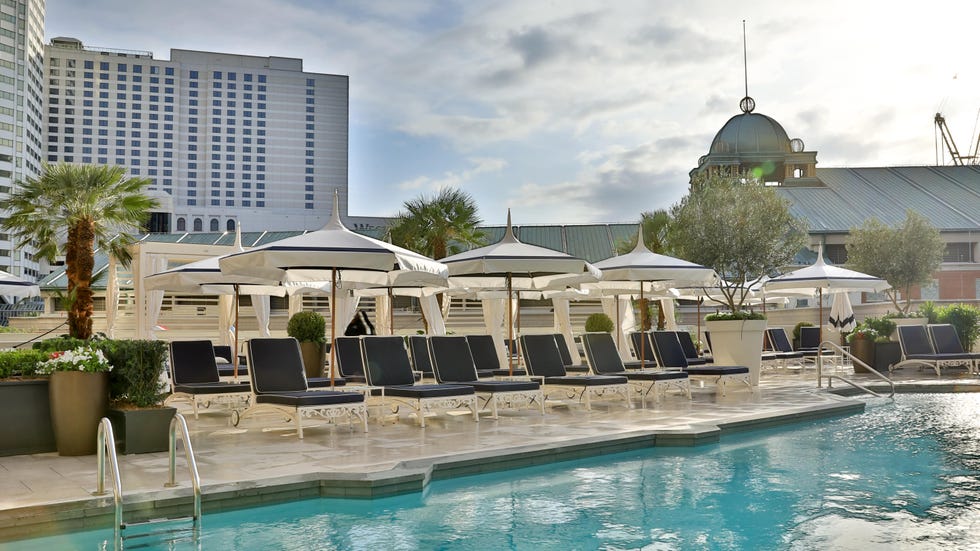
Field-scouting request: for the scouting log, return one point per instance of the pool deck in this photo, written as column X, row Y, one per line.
column 262, row 461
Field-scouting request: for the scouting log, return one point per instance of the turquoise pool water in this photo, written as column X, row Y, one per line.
column 901, row 476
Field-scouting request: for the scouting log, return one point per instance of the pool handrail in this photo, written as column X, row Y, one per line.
column 837, row 349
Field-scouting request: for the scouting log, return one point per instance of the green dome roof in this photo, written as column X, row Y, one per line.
column 750, row 133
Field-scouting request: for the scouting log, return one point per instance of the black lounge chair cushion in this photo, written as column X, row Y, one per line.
column 503, row 386
column 589, row 380
column 767, row 356
column 696, row 361
column 649, row 364
column 655, row 375
column 226, row 370
column 576, row 368
column 428, row 391
column 788, row 355
column 320, row 382
column 277, row 366
column 193, row 362
column 717, row 370
column 211, row 388
column 940, row 357
column 314, row 398
column 502, row 373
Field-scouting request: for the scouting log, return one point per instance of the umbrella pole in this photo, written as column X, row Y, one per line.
column 234, row 348
column 699, row 323
column 820, row 321
column 643, row 348
column 333, row 323
column 391, row 311
column 510, row 327
column 619, row 326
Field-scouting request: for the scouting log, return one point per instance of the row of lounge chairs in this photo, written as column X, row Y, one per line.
column 936, row 346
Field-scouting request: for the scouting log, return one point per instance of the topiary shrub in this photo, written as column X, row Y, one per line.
column 598, row 323
column 964, row 318
column 307, row 327
column 137, row 366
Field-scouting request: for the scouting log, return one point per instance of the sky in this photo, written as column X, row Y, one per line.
column 569, row 111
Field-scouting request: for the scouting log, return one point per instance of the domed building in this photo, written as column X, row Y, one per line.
column 757, row 145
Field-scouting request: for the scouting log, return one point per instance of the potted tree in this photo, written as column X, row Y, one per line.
column 598, row 323
column 871, row 344
column 139, row 420
column 744, row 231
column 78, row 394
column 25, row 415
column 310, row 329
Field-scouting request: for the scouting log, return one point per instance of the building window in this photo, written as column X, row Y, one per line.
column 198, row 224
column 214, row 223
column 230, row 225
column 181, row 224
column 836, row 254
column 958, row 252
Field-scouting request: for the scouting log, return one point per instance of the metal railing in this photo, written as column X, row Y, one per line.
column 836, row 349
column 107, row 446
column 179, row 422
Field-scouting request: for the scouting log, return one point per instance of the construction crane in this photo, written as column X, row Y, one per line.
column 954, row 152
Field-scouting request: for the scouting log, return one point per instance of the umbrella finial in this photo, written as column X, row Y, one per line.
column 820, row 254
column 509, row 233
column 640, row 245
column 335, row 222
column 238, row 238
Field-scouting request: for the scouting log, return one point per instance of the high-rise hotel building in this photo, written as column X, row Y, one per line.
column 21, row 111
column 224, row 138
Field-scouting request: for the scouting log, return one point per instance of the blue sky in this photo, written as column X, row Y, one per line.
column 583, row 111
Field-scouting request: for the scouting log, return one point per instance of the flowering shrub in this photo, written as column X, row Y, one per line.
column 84, row 358
column 862, row 333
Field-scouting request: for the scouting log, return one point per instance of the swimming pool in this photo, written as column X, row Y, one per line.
column 903, row 475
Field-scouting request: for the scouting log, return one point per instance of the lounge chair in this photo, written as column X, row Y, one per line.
column 350, row 363
column 670, row 355
column 388, row 368
column 600, row 349
column 782, row 348
column 637, row 341
column 917, row 349
column 418, row 348
column 946, row 341
column 194, row 377
column 279, row 386
column 691, row 351
column 453, row 364
column 485, row 357
column 651, row 355
column 566, row 356
column 810, row 345
column 224, row 359
column 544, row 361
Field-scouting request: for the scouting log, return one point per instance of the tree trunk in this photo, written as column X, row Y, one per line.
column 80, row 261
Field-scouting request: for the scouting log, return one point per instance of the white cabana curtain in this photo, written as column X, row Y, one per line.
column 624, row 325
column 563, row 325
column 667, row 307
column 295, row 304
column 382, row 314
column 433, row 315
column 111, row 300
column 494, row 312
column 226, row 319
column 154, row 299
column 345, row 309
column 446, row 303
column 262, row 307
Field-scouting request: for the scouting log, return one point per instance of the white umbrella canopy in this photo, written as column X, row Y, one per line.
column 510, row 264
column 13, row 286
column 825, row 277
column 345, row 259
column 841, row 313
column 644, row 268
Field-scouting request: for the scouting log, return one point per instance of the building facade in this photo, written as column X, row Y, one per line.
column 21, row 111
column 223, row 138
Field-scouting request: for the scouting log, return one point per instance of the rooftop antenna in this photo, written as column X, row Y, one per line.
column 747, row 105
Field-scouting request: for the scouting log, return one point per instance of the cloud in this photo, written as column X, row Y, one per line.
column 455, row 179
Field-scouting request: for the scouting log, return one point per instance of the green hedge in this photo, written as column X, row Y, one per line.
column 20, row 363
column 136, row 370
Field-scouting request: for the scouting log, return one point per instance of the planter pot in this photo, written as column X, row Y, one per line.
column 864, row 350
column 78, row 403
column 142, row 430
column 314, row 358
column 25, row 417
column 906, row 321
column 886, row 354
column 738, row 342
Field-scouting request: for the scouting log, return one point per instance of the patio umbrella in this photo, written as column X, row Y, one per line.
column 841, row 313
column 205, row 277
column 643, row 269
column 339, row 256
column 13, row 286
column 510, row 264
column 825, row 277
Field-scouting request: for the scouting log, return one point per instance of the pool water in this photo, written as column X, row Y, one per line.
column 903, row 475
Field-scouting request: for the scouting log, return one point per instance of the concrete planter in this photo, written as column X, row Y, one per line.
column 25, row 417
column 142, row 430
column 78, row 403
column 738, row 342
column 314, row 358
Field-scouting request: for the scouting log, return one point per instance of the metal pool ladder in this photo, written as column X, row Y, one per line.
column 107, row 448
column 833, row 347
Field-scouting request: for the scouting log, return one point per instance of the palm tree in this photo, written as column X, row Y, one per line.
column 655, row 225
column 438, row 226
column 73, row 209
